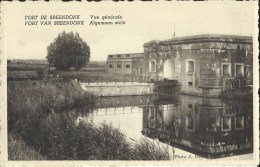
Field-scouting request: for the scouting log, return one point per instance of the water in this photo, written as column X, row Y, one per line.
column 196, row 127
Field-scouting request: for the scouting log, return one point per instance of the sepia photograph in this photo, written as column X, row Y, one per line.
column 172, row 82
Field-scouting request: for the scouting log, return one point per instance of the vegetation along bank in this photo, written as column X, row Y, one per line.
column 41, row 126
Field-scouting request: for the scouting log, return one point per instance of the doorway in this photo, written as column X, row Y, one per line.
column 168, row 70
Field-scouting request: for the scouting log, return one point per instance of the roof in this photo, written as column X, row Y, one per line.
column 125, row 56
column 205, row 38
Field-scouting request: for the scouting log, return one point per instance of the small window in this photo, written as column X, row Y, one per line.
column 118, row 66
column 239, row 122
column 190, row 68
column 127, row 66
column 189, row 105
column 189, row 83
column 136, row 71
column 226, row 70
column 118, row 55
column 226, row 124
column 151, row 113
column 190, row 123
column 127, row 55
column 110, row 66
column 239, row 69
column 152, row 66
column 165, row 107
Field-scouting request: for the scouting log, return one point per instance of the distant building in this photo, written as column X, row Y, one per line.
column 202, row 64
column 132, row 63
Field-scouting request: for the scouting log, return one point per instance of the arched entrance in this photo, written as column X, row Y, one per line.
column 168, row 69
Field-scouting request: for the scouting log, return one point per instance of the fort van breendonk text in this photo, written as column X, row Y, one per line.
column 95, row 20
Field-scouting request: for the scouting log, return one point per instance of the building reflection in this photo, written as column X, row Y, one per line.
column 207, row 127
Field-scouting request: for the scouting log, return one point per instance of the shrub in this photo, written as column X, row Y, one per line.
column 29, row 101
column 145, row 149
column 39, row 118
column 19, row 150
column 65, row 140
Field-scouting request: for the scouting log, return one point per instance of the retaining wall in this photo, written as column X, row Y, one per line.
column 118, row 88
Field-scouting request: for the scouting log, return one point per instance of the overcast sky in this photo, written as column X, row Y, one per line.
column 144, row 22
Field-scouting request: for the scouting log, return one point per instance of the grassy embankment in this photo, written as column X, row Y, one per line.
column 41, row 126
column 21, row 72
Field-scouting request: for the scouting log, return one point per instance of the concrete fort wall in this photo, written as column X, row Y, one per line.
column 118, row 89
column 200, row 63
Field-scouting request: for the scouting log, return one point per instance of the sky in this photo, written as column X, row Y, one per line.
column 144, row 22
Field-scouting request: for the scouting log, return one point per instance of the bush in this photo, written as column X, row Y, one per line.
column 29, row 101
column 65, row 140
column 39, row 113
column 58, row 137
column 145, row 149
column 19, row 150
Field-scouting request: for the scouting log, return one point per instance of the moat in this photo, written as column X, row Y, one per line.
column 198, row 126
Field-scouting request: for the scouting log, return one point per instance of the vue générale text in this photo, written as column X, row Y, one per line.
column 97, row 20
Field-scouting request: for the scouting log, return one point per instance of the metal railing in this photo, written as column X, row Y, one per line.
column 233, row 83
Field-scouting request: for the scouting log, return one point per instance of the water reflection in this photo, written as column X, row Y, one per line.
column 207, row 127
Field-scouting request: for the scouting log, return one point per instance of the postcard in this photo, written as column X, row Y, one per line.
column 129, row 83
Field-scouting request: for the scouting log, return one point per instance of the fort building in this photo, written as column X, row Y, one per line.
column 132, row 63
column 202, row 64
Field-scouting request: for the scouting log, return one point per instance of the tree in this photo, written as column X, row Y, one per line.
column 68, row 50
